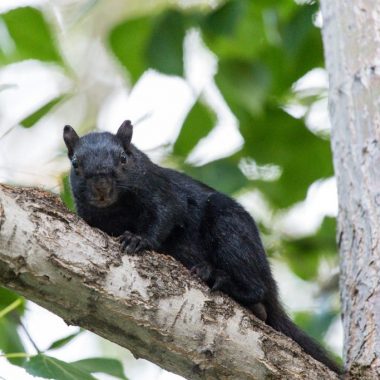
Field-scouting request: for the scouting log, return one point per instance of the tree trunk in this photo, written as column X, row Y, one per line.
column 351, row 33
column 148, row 303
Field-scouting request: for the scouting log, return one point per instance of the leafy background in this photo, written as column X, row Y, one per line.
column 231, row 92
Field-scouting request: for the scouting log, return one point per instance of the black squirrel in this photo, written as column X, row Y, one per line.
column 117, row 189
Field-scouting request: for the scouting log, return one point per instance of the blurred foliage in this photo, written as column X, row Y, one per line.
column 101, row 365
column 198, row 124
column 12, row 308
column 263, row 47
column 31, row 37
column 51, row 368
column 66, row 193
column 223, row 174
column 63, row 341
column 316, row 323
column 32, row 119
column 48, row 367
column 304, row 255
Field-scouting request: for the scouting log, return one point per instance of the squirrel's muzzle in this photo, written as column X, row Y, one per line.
column 102, row 191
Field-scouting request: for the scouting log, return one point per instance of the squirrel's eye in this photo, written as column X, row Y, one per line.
column 74, row 162
column 123, row 158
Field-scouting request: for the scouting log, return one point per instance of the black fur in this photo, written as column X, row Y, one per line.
column 120, row 191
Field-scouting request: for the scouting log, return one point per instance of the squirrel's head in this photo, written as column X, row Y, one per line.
column 101, row 164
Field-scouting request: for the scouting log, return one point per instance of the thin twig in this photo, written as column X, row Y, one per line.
column 29, row 337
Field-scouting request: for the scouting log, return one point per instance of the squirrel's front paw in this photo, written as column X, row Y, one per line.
column 131, row 243
column 202, row 270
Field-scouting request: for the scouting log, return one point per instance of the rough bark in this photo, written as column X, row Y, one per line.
column 351, row 33
column 148, row 304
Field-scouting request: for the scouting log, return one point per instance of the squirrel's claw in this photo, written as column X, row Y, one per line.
column 131, row 243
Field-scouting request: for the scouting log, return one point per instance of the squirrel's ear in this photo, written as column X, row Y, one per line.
column 125, row 132
column 71, row 138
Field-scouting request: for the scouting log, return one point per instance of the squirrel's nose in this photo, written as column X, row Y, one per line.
column 102, row 183
column 102, row 187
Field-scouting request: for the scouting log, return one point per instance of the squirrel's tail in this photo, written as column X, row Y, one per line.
column 279, row 320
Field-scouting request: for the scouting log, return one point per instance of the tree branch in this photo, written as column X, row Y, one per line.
column 148, row 304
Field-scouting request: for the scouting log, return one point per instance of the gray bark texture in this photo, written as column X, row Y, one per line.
column 147, row 303
column 351, row 34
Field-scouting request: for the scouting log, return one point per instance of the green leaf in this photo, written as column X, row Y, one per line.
column 7, row 297
column 10, row 341
column 150, row 42
column 257, row 84
column 41, row 112
column 51, row 368
column 323, row 241
column 27, row 36
column 225, row 19
column 128, row 41
column 223, row 175
column 275, row 137
column 304, row 255
column 66, row 195
column 244, row 83
column 316, row 325
column 63, row 341
column 165, row 47
column 234, row 30
column 199, row 122
column 305, row 265
column 299, row 34
column 244, row 29
column 13, row 306
column 277, row 37
column 111, row 367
